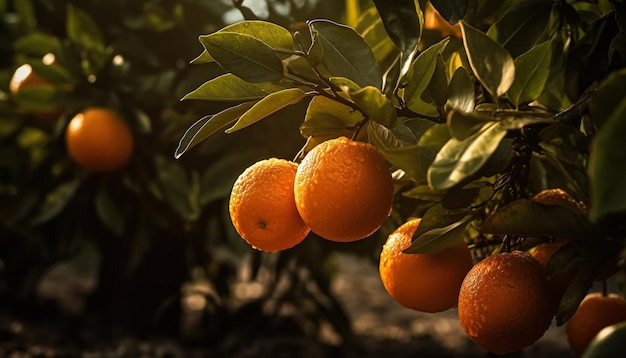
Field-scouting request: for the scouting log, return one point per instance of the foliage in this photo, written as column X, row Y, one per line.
column 529, row 98
column 158, row 226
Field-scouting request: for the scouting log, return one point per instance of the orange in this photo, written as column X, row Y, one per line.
column 99, row 140
column 595, row 312
column 262, row 206
column 25, row 78
column 422, row 282
column 434, row 21
column 344, row 189
column 504, row 302
column 559, row 284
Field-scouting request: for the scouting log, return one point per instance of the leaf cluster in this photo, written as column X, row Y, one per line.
column 529, row 98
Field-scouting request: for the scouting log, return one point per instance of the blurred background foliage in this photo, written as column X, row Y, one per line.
column 127, row 253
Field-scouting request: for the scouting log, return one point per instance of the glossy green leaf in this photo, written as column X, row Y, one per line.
column 451, row 10
column 522, row 26
column 229, row 87
column 345, row 84
column 464, row 124
column 439, row 228
column 461, row 91
column 203, row 57
column 273, row 35
column 458, row 160
column 243, row 55
column 82, row 29
column 375, row 105
column 422, row 71
column 438, row 86
column 403, row 23
column 491, row 64
column 325, row 116
column 435, row 137
column 606, row 172
column 267, row 106
column 208, row 125
column 372, row 29
column 527, row 218
column 531, row 73
column 608, row 96
column 399, row 146
column 346, row 53
column 424, row 192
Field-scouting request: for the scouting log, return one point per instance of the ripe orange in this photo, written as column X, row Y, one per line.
column 262, row 206
column 344, row 189
column 504, row 302
column 25, row 78
column 434, row 21
column 559, row 284
column 99, row 140
column 594, row 313
column 422, row 282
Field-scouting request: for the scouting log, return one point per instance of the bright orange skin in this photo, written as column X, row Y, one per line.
column 344, row 190
column 422, row 282
column 594, row 313
column 99, row 140
column 262, row 206
column 504, row 302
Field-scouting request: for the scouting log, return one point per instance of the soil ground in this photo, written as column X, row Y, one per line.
column 381, row 328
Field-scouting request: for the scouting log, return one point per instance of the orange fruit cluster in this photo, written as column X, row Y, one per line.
column 342, row 191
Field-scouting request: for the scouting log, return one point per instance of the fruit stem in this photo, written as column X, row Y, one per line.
column 605, row 291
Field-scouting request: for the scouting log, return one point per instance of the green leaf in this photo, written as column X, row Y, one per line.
column 527, row 218
column 399, row 146
column 244, row 56
column 267, row 106
column 607, row 173
column 608, row 96
column 438, row 87
column 491, row 64
column 435, row 137
column 422, row 71
column 273, row 35
column 522, row 25
column 375, row 105
column 461, row 91
column 82, row 29
column 203, row 57
column 373, row 30
column 458, row 160
column 229, row 87
column 346, row 53
column 208, row 125
column 36, row 44
column 325, row 116
column 451, row 10
column 55, row 201
column 531, row 73
column 403, row 23
column 464, row 124
column 109, row 213
column 438, row 229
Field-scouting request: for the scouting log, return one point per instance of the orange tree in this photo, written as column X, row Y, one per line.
column 529, row 98
column 154, row 227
